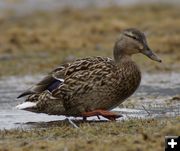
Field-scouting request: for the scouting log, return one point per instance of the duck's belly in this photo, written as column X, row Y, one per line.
column 111, row 99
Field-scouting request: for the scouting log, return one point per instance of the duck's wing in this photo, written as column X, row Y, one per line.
column 56, row 78
column 86, row 75
column 49, row 82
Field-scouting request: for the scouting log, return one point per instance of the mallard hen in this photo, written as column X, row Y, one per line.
column 91, row 86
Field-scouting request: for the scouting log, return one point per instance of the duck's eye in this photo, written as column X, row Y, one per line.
column 134, row 37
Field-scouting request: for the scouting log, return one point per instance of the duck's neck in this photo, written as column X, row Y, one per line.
column 120, row 56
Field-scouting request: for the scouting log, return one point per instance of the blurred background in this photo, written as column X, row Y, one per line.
column 37, row 35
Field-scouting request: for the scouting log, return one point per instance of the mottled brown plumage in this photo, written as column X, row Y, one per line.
column 90, row 84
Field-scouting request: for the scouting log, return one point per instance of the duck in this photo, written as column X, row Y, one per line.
column 91, row 86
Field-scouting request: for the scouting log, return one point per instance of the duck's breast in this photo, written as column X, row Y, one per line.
column 129, row 80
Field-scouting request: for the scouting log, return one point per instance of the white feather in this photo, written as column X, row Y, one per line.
column 60, row 79
column 26, row 105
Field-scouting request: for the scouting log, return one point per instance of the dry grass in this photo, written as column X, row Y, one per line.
column 41, row 41
column 132, row 135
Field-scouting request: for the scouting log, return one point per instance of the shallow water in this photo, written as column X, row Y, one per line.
column 153, row 99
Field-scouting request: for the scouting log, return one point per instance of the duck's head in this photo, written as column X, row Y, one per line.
column 132, row 41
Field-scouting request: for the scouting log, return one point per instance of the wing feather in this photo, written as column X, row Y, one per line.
column 56, row 74
column 66, row 71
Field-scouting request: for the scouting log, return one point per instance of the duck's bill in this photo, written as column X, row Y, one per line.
column 151, row 55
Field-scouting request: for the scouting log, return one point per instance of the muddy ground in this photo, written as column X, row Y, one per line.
column 131, row 135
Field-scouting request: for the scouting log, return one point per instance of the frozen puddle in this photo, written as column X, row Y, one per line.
column 158, row 96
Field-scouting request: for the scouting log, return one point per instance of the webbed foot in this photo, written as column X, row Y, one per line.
column 107, row 114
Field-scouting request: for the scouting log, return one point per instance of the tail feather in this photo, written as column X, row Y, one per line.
column 28, row 92
column 26, row 105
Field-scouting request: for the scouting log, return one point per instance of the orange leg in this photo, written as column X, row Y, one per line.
column 109, row 115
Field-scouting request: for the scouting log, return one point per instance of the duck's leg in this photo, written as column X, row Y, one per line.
column 109, row 115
